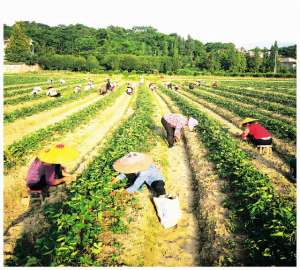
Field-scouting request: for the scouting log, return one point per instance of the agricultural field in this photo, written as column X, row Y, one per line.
column 238, row 206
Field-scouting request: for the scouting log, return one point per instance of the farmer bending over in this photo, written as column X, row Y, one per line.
column 129, row 89
column 46, row 170
column 255, row 132
column 214, row 84
column 52, row 92
column 173, row 123
column 77, row 89
column 169, row 85
column 109, row 86
column 152, row 86
column 36, row 90
column 139, row 169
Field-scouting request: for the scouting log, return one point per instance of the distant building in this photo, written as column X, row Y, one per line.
column 252, row 53
column 242, row 50
column 288, row 62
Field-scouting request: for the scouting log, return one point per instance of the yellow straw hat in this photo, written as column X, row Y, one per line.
column 248, row 120
column 58, row 154
column 133, row 162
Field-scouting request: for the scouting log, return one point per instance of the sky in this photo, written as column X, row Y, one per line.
column 246, row 23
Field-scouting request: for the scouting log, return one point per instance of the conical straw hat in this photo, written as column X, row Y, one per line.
column 58, row 154
column 133, row 162
column 248, row 120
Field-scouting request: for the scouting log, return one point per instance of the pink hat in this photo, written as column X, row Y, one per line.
column 192, row 122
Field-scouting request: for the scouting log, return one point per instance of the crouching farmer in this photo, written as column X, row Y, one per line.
column 255, row 132
column 139, row 169
column 46, row 170
column 173, row 123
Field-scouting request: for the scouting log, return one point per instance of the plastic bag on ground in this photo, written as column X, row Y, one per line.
column 168, row 210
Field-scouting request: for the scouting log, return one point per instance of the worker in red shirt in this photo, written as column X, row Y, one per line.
column 255, row 132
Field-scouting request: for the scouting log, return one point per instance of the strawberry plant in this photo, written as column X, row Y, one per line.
column 21, row 90
column 94, row 205
column 17, row 152
column 50, row 104
column 268, row 219
column 273, row 107
column 277, row 127
column 268, row 96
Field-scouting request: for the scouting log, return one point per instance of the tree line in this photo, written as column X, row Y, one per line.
column 141, row 49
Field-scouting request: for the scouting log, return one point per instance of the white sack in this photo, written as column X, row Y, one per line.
column 168, row 210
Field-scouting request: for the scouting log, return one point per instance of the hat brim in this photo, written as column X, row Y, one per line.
column 58, row 155
column 250, row 120
column 124, row 166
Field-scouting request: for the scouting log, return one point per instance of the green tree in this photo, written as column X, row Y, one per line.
column 274, row 57
column 18, row 48
column 92, row 63
column 254, row 62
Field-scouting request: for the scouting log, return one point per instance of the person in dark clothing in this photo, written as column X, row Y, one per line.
column 293, row 168
column 191, row 86
column 108, row 85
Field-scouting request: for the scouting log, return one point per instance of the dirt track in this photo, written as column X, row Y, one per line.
column 148, row 243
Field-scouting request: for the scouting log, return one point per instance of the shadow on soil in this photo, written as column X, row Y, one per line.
column 36, row 225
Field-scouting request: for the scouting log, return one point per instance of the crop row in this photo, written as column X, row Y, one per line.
column 288, row 89
column 268, row 220
column 17, row 152
column 20, row 91
column 273, row 107
column 95, row 204
column 272, row 97
column 50, row 104
column 239, row 101
column 17, row 79
column 277, row 127
column 30, row 97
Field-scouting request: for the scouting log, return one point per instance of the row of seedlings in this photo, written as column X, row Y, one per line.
column 95, row 204
column 16, row 153
column 268, row 219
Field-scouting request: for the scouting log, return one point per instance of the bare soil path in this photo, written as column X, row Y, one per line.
column 219, row 245
column 203, row 235
column 148, row 243
column 16, row 130
column 88, row 140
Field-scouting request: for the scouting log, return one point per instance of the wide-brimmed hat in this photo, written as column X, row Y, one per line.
column 133, row 162
column 58, row 154
column 192, row 122
column 248, row 120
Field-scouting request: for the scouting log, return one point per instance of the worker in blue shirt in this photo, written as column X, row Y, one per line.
column 139, row 168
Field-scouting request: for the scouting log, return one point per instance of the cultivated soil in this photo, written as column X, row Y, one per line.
column 87, row 139
column 21, row 127
column 271, row 165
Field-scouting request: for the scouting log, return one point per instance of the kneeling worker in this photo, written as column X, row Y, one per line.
column 255, row 132
column 138, row 168
column 173, row 123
